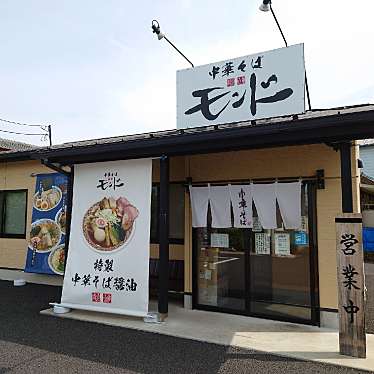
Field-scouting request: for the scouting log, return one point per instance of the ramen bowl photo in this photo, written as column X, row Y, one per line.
column 46, row 200
column 45, row 235
column 61, row 220
column 109, row 223
column 56, row 260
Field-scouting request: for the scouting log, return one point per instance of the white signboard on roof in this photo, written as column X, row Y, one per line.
column 263, row 85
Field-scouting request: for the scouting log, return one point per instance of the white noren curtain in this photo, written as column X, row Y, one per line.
column 199, row 197
column 265, row 202
column 220, row 206
column 289, row 201
column 241, row 200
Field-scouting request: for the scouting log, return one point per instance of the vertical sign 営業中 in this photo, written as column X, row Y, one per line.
column 351, row 285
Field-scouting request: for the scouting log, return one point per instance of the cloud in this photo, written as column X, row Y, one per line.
column 118, row 79
column 123, row 47
column 152, row 106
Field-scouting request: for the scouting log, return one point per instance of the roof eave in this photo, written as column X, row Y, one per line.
column 293, row 132
column 323, row 129
column 18, row 156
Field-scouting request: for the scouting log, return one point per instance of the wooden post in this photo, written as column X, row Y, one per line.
column 351, row 285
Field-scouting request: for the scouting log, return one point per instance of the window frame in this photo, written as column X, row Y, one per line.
column 4, row 235
column 313, row 272
column 155, row 240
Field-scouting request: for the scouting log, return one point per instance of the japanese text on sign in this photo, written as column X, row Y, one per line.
column 348, row 242
column 117, row 283
column 262, row 85
column 351, row 285
column 242, row 207
column 110, row 180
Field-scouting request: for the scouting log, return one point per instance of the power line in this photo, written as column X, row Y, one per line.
column 19, row 123
column 45, row 135
column 24, row 133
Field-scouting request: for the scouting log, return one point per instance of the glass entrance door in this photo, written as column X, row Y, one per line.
column 221, row 264
column 265, row 273
column 280, row 268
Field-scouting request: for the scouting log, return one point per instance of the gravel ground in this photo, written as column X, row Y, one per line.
column 31, row 343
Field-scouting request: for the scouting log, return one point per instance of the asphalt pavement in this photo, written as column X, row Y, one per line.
column 32, row 343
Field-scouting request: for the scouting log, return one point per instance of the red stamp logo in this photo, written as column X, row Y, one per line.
column 96, row 297
column 230, row 82
column 107, row 298
column 240, row 80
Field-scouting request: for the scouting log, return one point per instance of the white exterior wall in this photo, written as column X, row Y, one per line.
column 367, row 157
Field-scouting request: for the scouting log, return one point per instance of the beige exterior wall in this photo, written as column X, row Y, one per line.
column 177, row 172
column 15, row 176
column 292, row 161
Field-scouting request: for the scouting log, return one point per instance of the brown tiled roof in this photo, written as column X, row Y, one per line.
column 13, row 145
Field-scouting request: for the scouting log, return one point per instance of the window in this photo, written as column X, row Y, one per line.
column 13, row 208
column 176, row 213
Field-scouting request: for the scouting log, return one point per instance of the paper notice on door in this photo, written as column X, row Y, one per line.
column 256, row 225
column 262, row 243
column 304, row 223
column 219, row 240
column 208, row 274
column 301, row 238
column 282, row 244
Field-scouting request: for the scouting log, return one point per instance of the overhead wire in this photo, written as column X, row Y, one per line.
column 44, row 128
column 23, row 133
column 19, row 123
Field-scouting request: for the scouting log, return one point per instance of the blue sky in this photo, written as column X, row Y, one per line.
column 94, row 69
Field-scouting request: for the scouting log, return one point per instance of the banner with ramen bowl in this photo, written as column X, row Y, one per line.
column 46, row 241
column 108, row 258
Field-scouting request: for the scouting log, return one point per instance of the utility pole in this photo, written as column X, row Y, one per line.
column 50, row 135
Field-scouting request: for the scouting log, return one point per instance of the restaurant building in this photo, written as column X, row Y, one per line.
column 229, row 270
